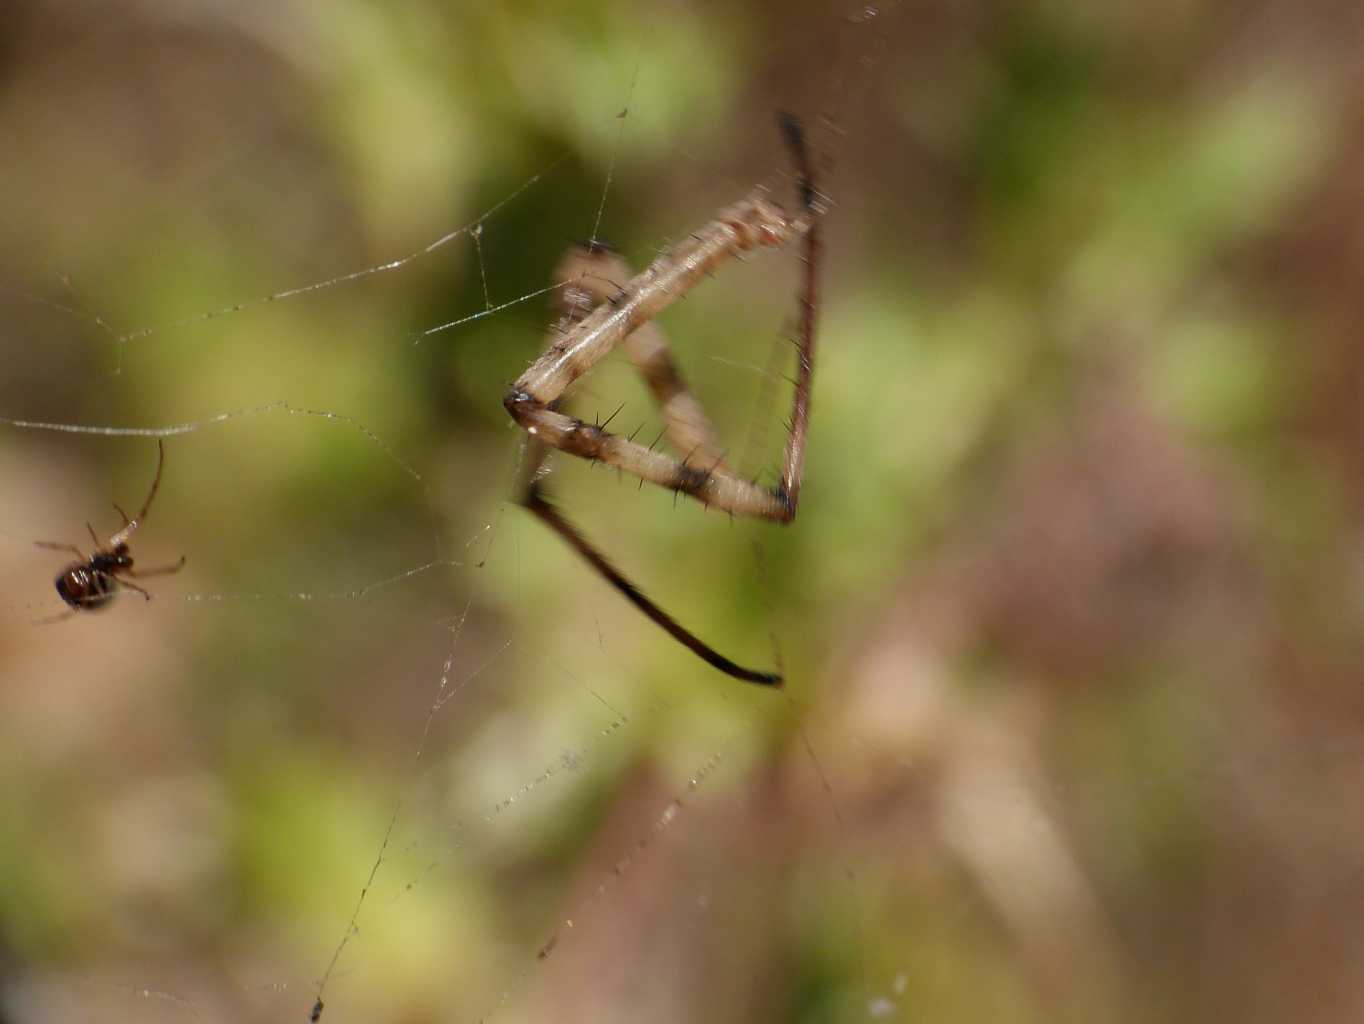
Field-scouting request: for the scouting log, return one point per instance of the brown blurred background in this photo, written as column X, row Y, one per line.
column 1071, row 613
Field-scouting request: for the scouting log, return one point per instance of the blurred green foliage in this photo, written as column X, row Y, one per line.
column 1069, row 615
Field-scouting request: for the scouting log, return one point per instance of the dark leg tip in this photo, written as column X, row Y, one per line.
column 794, row 134
column 791, row 128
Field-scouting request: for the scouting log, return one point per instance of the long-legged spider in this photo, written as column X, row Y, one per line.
column 90, row 583
column 602, row 313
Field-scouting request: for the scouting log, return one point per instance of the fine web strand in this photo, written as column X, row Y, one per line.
column 477, row 235
column 438, row 701
column 567, row 761
column 282, row 406
column 483, row 314
column 635, row 852
column 354, row 594
column 469, row 228
column 622, row 118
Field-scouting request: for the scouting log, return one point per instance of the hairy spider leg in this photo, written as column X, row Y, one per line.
column 747, row 225
column 594, row 273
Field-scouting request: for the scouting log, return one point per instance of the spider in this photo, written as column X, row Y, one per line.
column 602, row 310
column 90, row 583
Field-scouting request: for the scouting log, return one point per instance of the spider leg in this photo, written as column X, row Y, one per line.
column 52, row 619
column 121, row 577
column 122, row 536
column 595, row 274
column 161, row 570
column 119, row 509
column 94, row 538
column 535, row 501
column 53, row 546
column 793, row 465
column 712, row 488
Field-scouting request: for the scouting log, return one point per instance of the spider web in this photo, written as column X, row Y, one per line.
column 374, row 760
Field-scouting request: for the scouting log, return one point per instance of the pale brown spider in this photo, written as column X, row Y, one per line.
column 602, row 313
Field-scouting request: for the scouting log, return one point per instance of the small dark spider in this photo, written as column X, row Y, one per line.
column 90, row 583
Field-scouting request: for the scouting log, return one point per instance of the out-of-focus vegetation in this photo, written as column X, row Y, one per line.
column 1071, row 613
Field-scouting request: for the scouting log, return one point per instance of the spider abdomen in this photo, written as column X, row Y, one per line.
column 86, row 587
